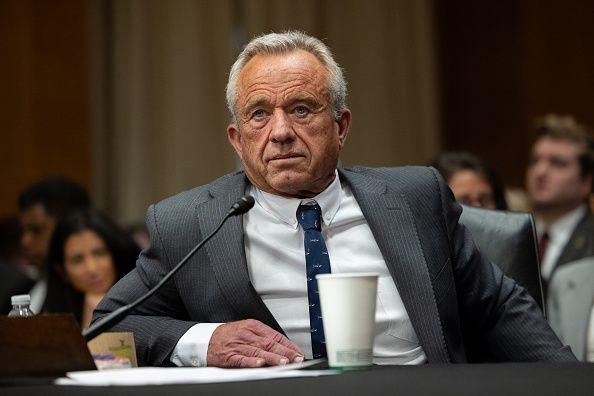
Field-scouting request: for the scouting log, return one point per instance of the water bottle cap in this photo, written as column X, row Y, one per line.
column 21, row 299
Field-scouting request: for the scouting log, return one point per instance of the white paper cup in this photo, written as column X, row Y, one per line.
column 348, row 313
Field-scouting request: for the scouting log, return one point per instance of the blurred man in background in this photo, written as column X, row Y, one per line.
column 559, row 183
column 12, row 279
column 41, row 206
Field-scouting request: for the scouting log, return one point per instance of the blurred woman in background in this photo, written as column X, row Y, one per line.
column 88, row 255
column 471, row 181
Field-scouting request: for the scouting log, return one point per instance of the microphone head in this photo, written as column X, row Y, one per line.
column 242, row 205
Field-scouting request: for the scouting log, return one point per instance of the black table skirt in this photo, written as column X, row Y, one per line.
column 508, row 379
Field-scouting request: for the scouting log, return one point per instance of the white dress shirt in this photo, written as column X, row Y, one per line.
column 38, row 294
column 276, row 263
column 559, row 234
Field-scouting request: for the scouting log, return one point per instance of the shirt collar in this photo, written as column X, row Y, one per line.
column 285, row 209
column 566, row 224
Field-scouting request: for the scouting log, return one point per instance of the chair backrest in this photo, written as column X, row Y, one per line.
column 508, row 239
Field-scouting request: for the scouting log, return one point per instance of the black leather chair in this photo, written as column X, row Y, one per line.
column 508, row 239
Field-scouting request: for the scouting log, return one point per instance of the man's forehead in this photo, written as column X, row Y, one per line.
column 266, row 67
column 557, row 145
column 35, row 212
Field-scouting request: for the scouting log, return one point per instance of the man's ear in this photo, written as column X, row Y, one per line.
column 344, row 125
column 234, row 137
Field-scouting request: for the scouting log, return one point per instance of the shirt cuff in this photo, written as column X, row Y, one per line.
column 192, row 347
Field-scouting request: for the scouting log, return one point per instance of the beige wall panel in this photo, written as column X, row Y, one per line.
column 169, row 117
column 386, row 49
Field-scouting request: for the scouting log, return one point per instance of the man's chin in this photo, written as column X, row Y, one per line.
column 540, row 198
column 33, row 261
column 291, row 190
column 552, row 205
column 540, row 204
column 297, row 187
column 287, row 184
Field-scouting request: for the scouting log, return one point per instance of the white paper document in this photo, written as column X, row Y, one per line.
column 187, row 375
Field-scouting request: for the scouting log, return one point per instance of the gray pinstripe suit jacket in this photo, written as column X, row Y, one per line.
column 461, row 306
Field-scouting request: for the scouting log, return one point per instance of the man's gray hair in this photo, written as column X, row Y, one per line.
column 282, row 43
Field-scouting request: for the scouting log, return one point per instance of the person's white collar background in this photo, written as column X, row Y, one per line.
column 559, row 234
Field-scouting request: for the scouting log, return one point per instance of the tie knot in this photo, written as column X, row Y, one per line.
column 309, row 217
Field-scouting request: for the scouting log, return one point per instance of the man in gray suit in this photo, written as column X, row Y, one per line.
column 249, row 297
column 559, row 184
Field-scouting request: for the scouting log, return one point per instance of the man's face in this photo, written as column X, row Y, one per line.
column 553, row 177
column 37, row 228
column 285, row 134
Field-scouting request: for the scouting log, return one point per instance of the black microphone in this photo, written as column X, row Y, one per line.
column 244, row 204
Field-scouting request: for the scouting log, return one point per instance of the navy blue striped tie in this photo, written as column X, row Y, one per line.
column 316, row 262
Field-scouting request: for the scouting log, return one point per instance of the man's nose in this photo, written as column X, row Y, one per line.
column 26, row 240
column 282, row 129
column 539, row 168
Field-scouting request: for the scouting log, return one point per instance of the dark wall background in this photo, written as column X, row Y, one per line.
column 503, row 63
column 44, row 115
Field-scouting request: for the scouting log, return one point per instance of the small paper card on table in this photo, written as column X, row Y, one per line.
column 120, row 345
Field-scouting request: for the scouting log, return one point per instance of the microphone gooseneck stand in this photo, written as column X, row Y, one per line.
column 240, row 207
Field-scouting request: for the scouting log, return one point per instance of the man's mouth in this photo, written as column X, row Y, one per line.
column 285, row 156
column 32, row 257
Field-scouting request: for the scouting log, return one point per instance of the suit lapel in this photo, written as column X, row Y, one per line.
column 226, row 251
column 580, row 243
column 574, row 298
column 393, row 226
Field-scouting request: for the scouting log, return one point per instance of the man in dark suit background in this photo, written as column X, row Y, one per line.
column 13, row 281
column 41, row 205
column 245, row 300
column 559, row 183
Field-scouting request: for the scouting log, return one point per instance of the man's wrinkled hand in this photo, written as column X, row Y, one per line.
column 250, row 343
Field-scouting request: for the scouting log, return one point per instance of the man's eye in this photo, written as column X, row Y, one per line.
column 559, row 162
column 258, row 113
column 533, row 160
column 36, row 230
column 301, row 110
